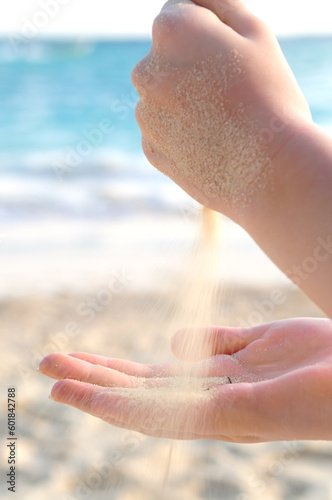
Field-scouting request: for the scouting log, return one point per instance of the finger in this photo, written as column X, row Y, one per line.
column 234, row 14
column 155, row 157
column 194, row 420
column 150, row 411
column 285, row 408
column 152, row 74
column 183, row 33
column 199, row 343
column 129, row 367
column 75, row 393
column 150, row 113
column 61, row 366
column 228, row 413
column 168, row 411
column 221, row 367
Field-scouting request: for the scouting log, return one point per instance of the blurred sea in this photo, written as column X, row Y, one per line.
column 69, row 143
column 77, row 196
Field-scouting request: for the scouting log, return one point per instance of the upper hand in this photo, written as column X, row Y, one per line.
column 217, row 102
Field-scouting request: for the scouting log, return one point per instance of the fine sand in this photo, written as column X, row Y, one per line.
column 66, row 455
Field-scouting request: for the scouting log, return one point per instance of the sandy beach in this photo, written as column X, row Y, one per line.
column 66, row 455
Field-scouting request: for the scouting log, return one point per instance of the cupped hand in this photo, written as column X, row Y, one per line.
column 281, row 388
column 218, row 102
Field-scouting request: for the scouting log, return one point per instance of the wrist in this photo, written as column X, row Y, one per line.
column 291, row 219
column 274, row 162
column 299, row 172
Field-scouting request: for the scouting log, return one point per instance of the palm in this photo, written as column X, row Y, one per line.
column 281, row 374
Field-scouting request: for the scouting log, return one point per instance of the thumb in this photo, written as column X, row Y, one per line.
column 199, row 343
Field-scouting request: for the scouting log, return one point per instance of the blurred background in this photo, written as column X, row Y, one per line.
column 75, row 185
column 93, row 236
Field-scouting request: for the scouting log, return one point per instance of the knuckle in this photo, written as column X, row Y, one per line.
column 138, row 73
column 134, row 76
column 147, row 148
column 170, row 26
column 258, row 27
column 147, row 75
column 138, row 115
column 163, row 26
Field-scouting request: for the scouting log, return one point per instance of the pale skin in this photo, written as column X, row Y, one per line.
column 281, row 390
column 281, row 372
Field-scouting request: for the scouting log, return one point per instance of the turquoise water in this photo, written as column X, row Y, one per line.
column 54, row 95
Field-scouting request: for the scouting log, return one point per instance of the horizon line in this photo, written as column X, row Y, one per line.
column 135, row 36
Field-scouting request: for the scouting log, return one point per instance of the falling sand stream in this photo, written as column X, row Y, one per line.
column 197, row 299
column 195, row 305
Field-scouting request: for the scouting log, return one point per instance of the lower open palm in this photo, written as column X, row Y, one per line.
column 270, row 382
